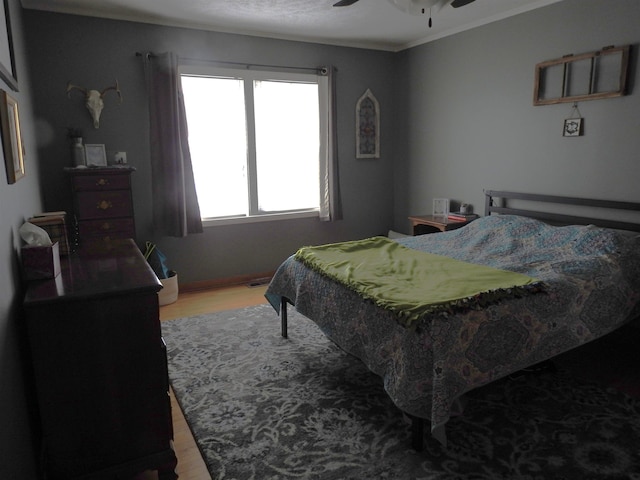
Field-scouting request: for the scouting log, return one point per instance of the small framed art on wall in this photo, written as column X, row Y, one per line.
column 12, row 145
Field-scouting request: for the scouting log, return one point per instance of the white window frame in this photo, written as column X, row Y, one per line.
column 249, row 75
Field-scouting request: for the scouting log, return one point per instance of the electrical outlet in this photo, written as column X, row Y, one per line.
column 120, row 158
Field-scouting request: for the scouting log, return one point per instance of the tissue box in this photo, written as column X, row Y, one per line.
column 54, row 223
column 39, row 263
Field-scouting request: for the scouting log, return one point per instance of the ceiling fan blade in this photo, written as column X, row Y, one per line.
column 344, row 3
column 461, row 3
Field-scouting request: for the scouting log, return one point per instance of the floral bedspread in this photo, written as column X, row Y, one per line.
column 592, row 279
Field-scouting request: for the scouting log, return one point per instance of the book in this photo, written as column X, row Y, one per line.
column 462, row 217
column 49, row 214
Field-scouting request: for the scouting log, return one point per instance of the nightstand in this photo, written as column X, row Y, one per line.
column 434, row 223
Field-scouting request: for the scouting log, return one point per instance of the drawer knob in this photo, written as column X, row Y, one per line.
column 104, row 205
column 102, row 182
column 105, row 226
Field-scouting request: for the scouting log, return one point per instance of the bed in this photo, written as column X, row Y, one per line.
column 586, row 281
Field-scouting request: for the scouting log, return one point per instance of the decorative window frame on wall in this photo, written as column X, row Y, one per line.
column 588, row 76
column 367, row 126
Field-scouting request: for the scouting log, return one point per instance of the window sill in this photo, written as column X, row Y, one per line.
column 216, row 222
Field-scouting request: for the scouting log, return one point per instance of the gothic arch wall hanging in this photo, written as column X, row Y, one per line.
column 367, row 126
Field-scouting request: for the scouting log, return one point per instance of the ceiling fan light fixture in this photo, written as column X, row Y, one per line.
column 418, row 7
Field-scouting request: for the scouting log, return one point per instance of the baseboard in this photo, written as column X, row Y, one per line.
column 250, row 279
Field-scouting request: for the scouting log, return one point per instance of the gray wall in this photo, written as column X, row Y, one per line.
column 17, row 202
column 457, row 117
column 91, row 52
column 467, row 121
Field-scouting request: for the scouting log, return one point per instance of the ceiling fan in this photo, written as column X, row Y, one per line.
column 415, row 7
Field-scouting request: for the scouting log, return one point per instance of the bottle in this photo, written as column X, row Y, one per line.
column 77, row 152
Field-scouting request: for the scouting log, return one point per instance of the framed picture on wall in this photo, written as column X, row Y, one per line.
column 7, row 56
column 95, row 154
column 12, row 146
column 367, row 126
column 572, row 127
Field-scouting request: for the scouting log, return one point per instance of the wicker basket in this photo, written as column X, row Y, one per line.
column 169, row 292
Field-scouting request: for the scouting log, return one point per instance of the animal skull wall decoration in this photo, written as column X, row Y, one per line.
column 94, row 102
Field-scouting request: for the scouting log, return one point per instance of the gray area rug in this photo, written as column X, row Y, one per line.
column 264, row 407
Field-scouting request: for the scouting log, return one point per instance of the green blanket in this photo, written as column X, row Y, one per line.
column 411, row 283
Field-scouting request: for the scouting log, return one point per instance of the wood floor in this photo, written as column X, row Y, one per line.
column 191, row 466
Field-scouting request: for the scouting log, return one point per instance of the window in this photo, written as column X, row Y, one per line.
column 255, row 140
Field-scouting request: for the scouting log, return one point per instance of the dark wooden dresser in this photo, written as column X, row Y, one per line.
column 100, row 366
column 102, row 202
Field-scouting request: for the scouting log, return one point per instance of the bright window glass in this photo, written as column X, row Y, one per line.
column 254, row 142
column 218, row 144
column 287, row 142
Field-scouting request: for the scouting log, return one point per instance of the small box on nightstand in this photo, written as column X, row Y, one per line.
column 40, row 263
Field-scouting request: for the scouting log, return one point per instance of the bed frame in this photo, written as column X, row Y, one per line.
column 492, row 205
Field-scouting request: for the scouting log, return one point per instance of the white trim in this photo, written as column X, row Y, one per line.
column 217, row 222
column 247, row 73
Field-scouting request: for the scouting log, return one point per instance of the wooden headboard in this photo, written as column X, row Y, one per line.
column 493, row 206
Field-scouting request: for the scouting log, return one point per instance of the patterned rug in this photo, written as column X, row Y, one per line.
column 264, row 407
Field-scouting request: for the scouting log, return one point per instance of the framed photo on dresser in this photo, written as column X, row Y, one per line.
column 95, row 154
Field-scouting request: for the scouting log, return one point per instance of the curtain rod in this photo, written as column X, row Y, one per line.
column 322, row 70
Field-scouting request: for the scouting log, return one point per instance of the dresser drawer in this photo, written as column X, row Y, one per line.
column 103, row 203
column 100, row 182
column 107, row 204
column 112, row 228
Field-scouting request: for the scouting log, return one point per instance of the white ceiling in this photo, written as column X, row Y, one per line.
column 374, row 24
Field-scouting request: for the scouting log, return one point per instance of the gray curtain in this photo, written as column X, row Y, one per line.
column 330, row 201
column 176, row 211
